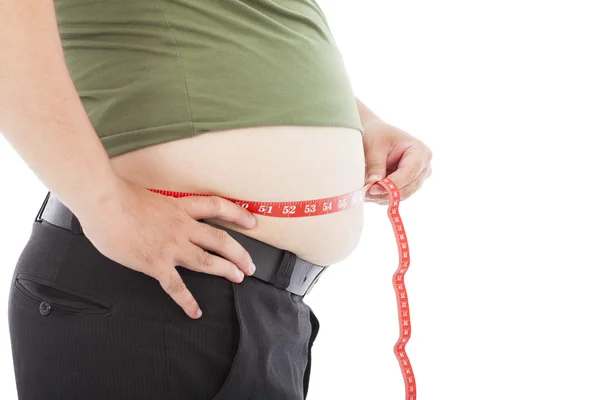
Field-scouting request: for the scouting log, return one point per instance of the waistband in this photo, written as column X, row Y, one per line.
column 278, row 267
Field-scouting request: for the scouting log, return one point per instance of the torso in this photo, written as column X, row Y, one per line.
column 173, row 88
column 273, row 163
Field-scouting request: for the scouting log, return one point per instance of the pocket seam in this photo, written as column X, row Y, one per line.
column 238, row 352
column 23, row 292
column 105, row 307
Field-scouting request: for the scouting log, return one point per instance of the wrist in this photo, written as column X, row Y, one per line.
column 97, row 195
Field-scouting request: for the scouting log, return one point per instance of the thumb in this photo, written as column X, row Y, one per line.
column 376, row 160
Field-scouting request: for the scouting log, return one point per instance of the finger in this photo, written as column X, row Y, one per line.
column 377, row 199
column 412, row 164
column 210, row 238
column 200, row 207
column 405, row 192
column 373, row 198
column 376, row 154
column 171, row 282
column 197, row 259
column 410, row 189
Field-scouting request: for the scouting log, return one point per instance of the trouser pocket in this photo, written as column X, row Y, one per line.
column 272, row 356
column 55, row 296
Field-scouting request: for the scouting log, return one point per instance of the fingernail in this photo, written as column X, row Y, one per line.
column 373, row 178
column 252, row 268
column 241, row 275
column 376, row 189
column 252, row 221
column 198, row 313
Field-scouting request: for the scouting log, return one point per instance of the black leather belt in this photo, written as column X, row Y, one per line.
column 281, row 268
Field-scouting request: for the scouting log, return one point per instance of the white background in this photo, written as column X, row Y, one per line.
column 503, row 282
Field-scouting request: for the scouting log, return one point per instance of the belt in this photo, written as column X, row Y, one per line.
column 273, row 264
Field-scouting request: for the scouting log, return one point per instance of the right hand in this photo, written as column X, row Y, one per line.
column 152, row 233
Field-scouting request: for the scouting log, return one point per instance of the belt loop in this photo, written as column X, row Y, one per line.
column 284, row 270
column 75, row 225
column 38, row 217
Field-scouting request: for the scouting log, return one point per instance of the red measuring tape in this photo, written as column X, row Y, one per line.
column 328, row 205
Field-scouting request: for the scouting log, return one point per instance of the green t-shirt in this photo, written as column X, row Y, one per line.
column 151, row 71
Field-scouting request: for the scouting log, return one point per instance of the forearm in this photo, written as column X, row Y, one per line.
column 367, row 116
column 41, row 115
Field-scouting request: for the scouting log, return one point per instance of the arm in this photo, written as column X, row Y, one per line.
column 366, row 115
column 41, row 115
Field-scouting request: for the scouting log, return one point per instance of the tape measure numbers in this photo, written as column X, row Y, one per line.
column 328, row 205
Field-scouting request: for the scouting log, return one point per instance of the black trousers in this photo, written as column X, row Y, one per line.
column 85, row 327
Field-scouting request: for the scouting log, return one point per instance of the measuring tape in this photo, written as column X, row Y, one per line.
column 328, row 205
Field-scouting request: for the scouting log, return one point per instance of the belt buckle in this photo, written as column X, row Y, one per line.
column 38, row 217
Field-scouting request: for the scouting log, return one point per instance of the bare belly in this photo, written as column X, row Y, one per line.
column 266, row 164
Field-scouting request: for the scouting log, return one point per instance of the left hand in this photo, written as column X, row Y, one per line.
column 390, row 150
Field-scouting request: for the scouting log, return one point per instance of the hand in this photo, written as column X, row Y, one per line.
column 152, row 233
column 389, row 150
